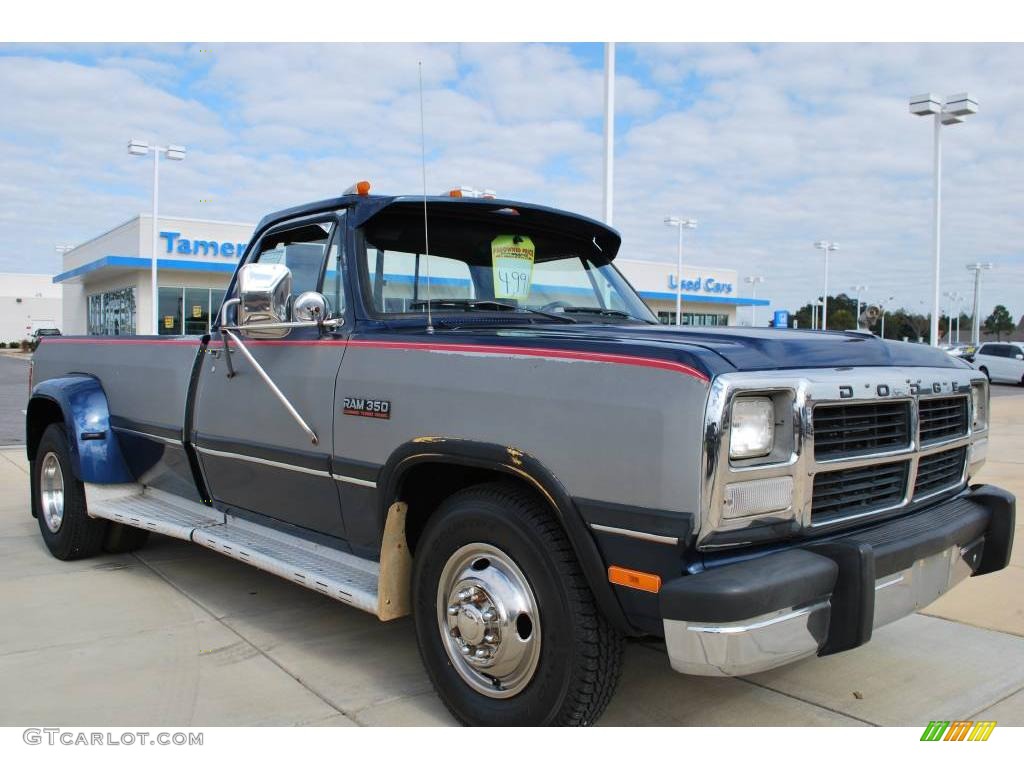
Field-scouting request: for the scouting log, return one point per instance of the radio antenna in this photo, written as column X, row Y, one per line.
column 426, row 231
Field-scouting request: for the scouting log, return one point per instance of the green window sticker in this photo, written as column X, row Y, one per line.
column 512, row 264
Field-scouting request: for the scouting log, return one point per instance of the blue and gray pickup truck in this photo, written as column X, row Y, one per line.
column 499, row 440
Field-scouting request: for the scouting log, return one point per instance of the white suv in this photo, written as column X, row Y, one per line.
column 1001, row 362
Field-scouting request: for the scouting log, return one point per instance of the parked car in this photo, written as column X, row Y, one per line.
column 965, row 351
column 500, row 440
column 41, row 333
column 1001, row 362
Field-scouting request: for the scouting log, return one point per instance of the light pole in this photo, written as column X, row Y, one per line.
column 952, row 112
column 882, row 305
column 676, row 221
column 173, row 152
column 753, row 280
column 609, row 129
column 827, row 246
column 957, row 299
column 977, row 268
column 858, row 289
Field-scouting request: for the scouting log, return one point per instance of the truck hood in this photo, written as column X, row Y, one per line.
column 742, row 349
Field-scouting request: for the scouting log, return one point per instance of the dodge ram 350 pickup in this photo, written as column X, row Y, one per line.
column 499, row 439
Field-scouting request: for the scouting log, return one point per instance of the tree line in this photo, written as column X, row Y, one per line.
column 901, row 323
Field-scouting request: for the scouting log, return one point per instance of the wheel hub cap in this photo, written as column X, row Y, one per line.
column 51, row 491
column 488, row 619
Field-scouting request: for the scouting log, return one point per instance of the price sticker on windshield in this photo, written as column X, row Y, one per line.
column 512, row 264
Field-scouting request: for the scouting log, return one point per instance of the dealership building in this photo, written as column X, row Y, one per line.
column 107, row 290
column 27, row 303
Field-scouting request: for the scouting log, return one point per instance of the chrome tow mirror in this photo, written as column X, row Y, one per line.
column 263, row 292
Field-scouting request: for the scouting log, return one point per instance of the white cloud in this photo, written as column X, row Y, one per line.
column 771, row 147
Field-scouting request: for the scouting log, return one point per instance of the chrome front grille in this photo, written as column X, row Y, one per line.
column 859, row 443
column 938, row 471
column 856, row 446
column 942, row 418
column 859, row 429
column 858, row 490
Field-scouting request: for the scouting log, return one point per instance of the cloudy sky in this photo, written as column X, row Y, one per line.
column 770, row 147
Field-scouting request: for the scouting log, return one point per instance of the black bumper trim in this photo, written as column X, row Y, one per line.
column 845, row 567
column 750, row 588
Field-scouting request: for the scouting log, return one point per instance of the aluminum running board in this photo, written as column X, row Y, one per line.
column 340, row 575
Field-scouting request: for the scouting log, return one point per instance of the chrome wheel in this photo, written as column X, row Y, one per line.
column 488, row 619
column 51, row 491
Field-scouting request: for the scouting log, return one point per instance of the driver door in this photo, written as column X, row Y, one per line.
column 255, row 456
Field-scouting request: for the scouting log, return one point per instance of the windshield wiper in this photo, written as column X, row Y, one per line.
column 552, row 315
column 604, row 312
column 463, row 304
column 467, row 305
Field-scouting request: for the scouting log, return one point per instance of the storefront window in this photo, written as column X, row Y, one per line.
column 703, row 319
column 197, row 311
column 188, row 311
column 169, row 312
column 112, row 313
column 216, row 299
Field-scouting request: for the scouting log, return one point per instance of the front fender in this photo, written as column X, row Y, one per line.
column 94, row 449
column 511, row 461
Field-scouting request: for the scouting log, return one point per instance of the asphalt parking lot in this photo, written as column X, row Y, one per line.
column 176, row 635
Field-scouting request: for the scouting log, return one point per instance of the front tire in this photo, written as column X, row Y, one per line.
column 506, row 624
column 984, row 370
column 68, row 531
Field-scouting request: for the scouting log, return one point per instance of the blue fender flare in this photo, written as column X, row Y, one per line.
column 94, row 449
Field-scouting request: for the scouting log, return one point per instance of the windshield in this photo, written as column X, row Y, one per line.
column 490, row 266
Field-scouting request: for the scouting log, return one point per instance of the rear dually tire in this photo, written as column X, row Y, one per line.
column 68, row 531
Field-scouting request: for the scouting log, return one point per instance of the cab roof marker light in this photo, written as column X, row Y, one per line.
column 463, row 191
column 361, row 188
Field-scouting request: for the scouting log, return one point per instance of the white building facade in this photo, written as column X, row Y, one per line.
column 106, row 281
column 710, row 295
column 28, row 302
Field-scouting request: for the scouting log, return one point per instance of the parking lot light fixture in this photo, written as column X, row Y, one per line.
column 882, row 306
column 826, row 246
column 859, row 290
column 957, row 300
column 173, row 152
column 752, row 281
column 681, row 224
column 955, row 109
column 977, row 269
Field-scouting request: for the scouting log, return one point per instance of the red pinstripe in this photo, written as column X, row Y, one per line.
column 422, row 346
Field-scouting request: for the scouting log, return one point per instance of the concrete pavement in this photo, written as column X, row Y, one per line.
column 177, row 635
column 13, row 396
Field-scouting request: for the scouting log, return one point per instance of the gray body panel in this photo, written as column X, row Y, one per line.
column 619, row 433
column 243, row 435
column 145, row 380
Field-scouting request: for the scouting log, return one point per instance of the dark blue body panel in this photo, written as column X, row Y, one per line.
column 95, row 452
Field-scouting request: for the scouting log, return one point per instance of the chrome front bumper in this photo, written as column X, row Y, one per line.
column 924, row 553
column 778, row 638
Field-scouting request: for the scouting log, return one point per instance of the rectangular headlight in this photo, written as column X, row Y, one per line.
column 752, row 433
column 979, row 405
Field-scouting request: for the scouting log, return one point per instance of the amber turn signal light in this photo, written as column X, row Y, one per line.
column 626, row 577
